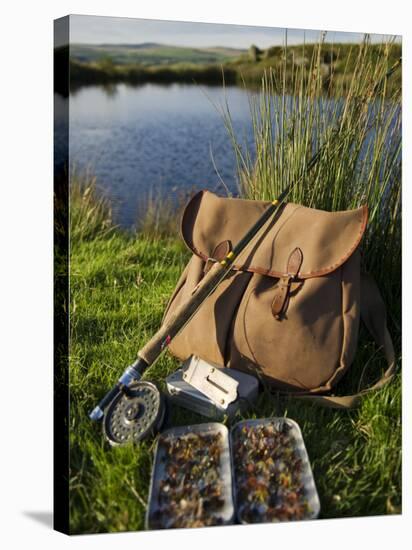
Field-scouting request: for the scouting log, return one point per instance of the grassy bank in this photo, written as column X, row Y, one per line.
column 86, row 74
column 120, row 283
column 337, row 64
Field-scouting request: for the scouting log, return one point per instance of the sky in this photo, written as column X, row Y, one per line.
column 89, row 29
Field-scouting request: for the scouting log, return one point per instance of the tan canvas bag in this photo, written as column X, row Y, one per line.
column 289, row 310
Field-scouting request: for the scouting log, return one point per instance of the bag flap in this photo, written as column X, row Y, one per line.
column 326, row 239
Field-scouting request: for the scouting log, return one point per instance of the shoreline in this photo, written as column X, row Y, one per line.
column 335, row 64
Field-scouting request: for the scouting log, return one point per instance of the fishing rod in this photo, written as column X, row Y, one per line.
column 132, row 399
column 135, row 408
column 159, row 342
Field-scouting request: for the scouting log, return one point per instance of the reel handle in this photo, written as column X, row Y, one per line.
column 133, row 372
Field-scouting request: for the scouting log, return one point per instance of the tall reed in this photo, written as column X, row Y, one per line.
column 357, row 128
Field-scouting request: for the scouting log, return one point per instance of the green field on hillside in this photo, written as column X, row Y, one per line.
column 150, row 54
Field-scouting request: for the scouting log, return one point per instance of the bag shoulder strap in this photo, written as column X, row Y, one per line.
column 373, row 314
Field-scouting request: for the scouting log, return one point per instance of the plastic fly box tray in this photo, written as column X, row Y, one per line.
column 191, row 483
column 210, row 390
column 272, row 477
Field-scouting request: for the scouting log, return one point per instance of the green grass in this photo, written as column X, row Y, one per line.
column 119, row 287
column 120, row 283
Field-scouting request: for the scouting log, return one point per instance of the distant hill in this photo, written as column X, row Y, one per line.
column 149, row 53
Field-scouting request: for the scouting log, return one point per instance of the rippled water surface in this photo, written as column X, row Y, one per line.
column 159, row 138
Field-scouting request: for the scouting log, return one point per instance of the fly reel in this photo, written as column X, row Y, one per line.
column 137, row 412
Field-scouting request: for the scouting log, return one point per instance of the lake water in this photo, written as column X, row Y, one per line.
column 157, row 139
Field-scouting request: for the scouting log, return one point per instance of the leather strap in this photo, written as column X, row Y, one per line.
column 219, row 253
column 282, row 289
column 373, row 314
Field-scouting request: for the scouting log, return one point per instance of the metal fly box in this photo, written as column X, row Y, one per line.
column 210, row 390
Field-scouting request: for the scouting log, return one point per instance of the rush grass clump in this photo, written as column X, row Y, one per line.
column 355, row 123
column 159, row 215
column 90, row 213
